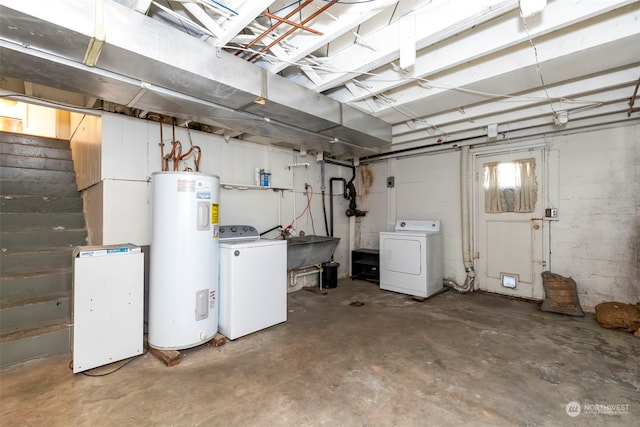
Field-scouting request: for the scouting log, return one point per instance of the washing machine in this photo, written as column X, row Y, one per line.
column 253, row 281
column 411, row 258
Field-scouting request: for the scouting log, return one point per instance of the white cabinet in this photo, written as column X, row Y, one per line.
column 108, row 299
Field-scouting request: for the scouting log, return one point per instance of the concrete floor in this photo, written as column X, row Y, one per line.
column 453, row 360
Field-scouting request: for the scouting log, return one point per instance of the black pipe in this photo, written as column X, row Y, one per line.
column 324, row 213
column 407, row 150
column 270, row 230
column 344, row 183
column 342, row 163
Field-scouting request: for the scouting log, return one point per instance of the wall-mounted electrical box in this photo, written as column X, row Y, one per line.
column 391, row 181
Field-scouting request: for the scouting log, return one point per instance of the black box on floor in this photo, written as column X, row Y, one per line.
column 364, row 264
column 330, row 274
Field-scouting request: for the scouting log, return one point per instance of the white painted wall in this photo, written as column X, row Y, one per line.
column 86, row 149
column 426, row 187
column 129, row 153
column 596, row 240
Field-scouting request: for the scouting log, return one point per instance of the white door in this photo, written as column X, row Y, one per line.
column 511, row 232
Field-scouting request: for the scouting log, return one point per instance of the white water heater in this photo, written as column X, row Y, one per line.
column 183, row 281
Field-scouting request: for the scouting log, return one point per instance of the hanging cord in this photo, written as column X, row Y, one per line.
column 303, row 211
column 309, row 196
column 87, row 374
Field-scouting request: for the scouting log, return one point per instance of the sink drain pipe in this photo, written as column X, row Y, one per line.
column 466, row 241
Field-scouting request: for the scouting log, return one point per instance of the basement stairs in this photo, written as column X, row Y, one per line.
column 41, row 221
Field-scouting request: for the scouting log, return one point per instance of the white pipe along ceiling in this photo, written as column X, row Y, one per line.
column 352, row 78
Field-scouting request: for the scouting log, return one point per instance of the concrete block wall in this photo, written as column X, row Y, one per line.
column 597, row 185
column 597, row 239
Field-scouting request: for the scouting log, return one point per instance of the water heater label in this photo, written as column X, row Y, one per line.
column 204, row 186
column 203, row 195
column 216, row 231
column 214, row 213
column 186, row 185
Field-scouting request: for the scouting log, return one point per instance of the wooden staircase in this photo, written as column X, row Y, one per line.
column 41, row 221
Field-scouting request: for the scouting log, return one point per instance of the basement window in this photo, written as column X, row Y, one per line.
column 510, row 186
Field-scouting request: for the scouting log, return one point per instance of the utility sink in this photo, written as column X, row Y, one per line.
column 309, row 250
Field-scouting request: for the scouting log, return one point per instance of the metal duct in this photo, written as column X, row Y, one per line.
column 145, row 64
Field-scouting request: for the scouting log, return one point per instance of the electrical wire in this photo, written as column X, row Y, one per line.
column 309, row 195
column 224, row 7
column 429, row 83
column 87, row 374
column 535, row 53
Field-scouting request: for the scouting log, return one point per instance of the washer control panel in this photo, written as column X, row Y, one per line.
column 238, row 232
column 431, row 225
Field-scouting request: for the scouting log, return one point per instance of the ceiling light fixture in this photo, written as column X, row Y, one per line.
column 334, row 140
column 561, row 118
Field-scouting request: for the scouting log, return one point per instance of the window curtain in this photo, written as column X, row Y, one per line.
column 494, row 201
column 526, row 188
column 510, row 187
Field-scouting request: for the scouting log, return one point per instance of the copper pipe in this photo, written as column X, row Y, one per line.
column 188, row 153
column 293, row 24
column 197, row 160
column 161, row 147
column 176, row 151
column 271, row 28
column 176, row 164
column 309, row 18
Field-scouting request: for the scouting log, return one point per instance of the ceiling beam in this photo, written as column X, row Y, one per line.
column 610, row 113
column 567, row 90
column 504, row 32
column 350, row 16
column 516, row 69
column 436, row 22
column 592, row 103
column 205, row 19
column 247, row 12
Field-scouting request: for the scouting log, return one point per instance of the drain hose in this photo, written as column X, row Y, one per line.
column 466, row 246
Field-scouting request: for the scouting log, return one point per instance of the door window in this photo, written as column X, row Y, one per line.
column 510, row 186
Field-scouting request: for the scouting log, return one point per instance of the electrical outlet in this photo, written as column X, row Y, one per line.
column 391, row 182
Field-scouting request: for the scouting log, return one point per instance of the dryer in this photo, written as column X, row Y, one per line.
column 411, row 258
